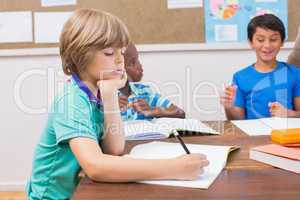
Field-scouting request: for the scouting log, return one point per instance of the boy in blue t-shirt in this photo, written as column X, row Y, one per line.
column 268, row 87
column 137, row 100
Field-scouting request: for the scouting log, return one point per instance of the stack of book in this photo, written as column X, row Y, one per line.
column 278, row 156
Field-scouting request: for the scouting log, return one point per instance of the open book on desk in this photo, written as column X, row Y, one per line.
column 216, row 155
column 162, row 128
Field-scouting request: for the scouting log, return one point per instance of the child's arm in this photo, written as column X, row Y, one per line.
column 108, row 168
column 235, row 113
column 227, row 100
column 113, row 141
column 142, row 107
column 172, row 111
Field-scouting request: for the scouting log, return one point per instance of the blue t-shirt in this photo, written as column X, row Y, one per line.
column 255, row 90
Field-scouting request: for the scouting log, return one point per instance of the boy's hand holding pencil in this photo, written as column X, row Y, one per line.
column 112, row 80
column 193, row 163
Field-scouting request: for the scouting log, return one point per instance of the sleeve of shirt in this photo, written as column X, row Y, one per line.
column 73, row 118
column 297, row 85
column 156, row 100
column 240, row 97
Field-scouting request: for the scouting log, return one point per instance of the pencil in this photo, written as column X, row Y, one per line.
column 178, row 137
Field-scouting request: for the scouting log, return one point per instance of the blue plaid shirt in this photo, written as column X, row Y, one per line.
column 142, row 91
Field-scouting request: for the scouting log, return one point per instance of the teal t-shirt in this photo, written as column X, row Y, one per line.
column 55, row 168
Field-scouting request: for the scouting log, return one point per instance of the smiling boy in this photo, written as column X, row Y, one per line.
column 268, row 87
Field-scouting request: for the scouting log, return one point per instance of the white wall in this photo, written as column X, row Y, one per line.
column 191, row 76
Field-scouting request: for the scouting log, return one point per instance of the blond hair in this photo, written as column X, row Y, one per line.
column 87, row 31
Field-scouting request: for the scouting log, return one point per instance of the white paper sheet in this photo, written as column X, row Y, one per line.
column 266, row 1
column 264, row 126
column 226, row 33
column 48, row 26
column 175, row 4
column 16, row 27
column 217, row 156
column 46, row 3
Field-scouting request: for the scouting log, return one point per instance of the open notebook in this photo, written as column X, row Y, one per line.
column 217, row 156
column 162, row 128
column 264, row 126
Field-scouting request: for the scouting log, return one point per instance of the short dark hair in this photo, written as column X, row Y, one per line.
column 266, row 21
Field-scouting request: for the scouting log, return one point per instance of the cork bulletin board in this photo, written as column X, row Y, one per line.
column 149, row 21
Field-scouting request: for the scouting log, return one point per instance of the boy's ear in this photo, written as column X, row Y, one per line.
column 129, row 79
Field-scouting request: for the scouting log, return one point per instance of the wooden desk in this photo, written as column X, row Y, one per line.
column 242, row 178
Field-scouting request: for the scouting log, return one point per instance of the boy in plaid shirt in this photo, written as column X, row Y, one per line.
column 137, row 100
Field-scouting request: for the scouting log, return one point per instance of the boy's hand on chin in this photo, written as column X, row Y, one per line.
column 109, row 86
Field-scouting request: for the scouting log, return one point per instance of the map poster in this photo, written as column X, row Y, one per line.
column 227, row 20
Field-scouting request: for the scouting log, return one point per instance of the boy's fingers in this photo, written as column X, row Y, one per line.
column 200, row 155
column 274, row 105
column 123, row 100
column 228, row 92
column 205, row 163
column 226, row 98
column 123, row 97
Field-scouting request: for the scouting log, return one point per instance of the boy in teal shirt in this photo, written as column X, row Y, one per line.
column 55, row 165
column 84, row 129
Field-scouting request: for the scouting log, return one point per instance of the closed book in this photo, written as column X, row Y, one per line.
column 277, row 156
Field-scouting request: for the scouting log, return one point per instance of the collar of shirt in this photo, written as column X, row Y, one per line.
column 88, row 92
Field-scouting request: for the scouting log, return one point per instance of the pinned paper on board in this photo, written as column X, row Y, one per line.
column 226, row 33
column 16, row 27
column 48, row 3
column 47, row 30
column 175, row 4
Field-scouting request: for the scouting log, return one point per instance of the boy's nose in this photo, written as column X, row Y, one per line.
column 267, row 44
column 119, row 59
column 140, row 66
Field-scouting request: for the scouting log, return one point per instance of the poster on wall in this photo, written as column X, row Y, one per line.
column 16, row 27
column 175, row 4
column 47, row 3
column 227, row 20
column 47, row 30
